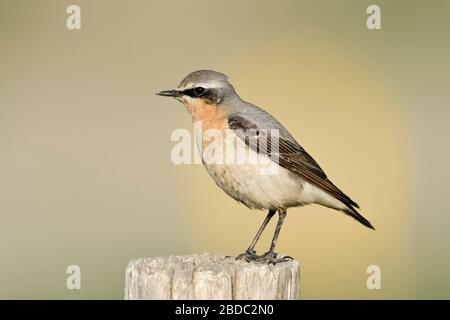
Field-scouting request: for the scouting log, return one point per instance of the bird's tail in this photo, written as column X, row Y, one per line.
column 357, row 216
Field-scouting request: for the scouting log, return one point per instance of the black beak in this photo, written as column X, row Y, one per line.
column 170, row 93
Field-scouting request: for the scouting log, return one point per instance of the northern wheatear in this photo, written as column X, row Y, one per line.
column 210, row 98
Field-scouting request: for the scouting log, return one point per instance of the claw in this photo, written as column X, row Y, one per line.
column 248, row 255
column 268, row 257
column 271, row 258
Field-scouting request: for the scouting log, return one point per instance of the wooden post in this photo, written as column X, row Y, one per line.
column 210, row 276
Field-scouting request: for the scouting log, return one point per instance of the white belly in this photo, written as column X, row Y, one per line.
column 246, row 184
column 250, row 182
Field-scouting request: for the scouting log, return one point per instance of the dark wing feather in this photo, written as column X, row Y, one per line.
column 291, row 156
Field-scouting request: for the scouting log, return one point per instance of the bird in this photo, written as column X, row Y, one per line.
column 211, row 100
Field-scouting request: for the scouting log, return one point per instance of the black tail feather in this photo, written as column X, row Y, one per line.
column 357, row 216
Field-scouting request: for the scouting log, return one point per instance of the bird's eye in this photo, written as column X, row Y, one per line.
column 199, row 91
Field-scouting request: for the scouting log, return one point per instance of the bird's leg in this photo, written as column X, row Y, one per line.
column 250, row 253
column 271, row 256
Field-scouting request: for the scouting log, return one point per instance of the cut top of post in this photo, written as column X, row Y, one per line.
column 210, row 276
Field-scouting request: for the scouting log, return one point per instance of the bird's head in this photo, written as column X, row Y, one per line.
column 202, row 87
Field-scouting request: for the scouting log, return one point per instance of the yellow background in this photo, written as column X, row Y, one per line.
column 85, row 170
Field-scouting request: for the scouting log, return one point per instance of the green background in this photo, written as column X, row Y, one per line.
column 85, row 170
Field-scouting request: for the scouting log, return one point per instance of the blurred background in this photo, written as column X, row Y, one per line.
column 85, row 170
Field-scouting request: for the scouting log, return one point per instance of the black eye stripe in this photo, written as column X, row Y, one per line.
column 194, row 92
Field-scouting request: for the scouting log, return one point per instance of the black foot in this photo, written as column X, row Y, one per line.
column 271, row 258
column 249, row 255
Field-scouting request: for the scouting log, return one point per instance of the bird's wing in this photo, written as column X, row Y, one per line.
column 291, row 155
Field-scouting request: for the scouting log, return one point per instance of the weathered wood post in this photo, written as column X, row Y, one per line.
column 210, row 276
